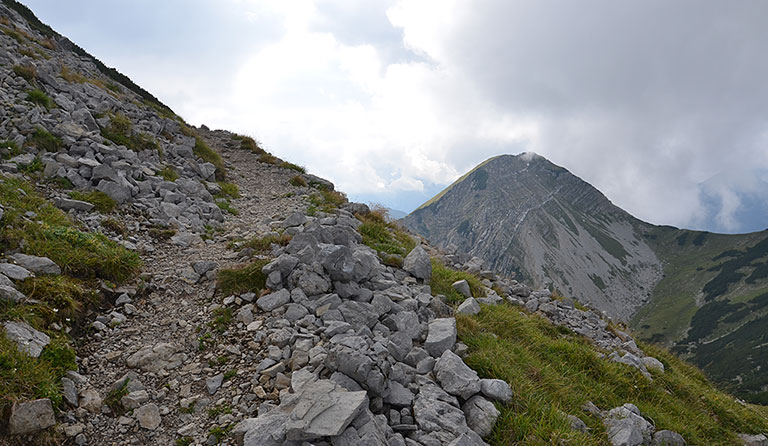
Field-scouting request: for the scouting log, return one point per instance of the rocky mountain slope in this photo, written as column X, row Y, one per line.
column 529, row 217
column 165, row 284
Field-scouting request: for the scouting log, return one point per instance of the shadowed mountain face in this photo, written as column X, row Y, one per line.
column 527, row 216
column 702, row 294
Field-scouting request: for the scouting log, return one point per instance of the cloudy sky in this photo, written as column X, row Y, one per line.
column 661, row 105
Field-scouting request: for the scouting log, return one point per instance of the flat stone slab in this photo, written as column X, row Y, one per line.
column 441, row 336
column 38, row 265
column 14, row 272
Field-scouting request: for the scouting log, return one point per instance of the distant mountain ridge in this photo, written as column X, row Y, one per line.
column 527, row 216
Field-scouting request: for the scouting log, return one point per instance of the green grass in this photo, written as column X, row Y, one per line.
column 444, row 277
column 209, row 155
column 61, row 298
column 297, row 181
column 384, row 236
column 228, row 190
column 243, row 279
column 248, row 143
column 225, row 205
column 112, row 400
column 327, row 200
column 28, row 72
column 25, row 378
column 101, row 201
column 296, row 167
column 44, row 140
column 168, row 173
column 14, row 34
column 551, row 369
column 51, row 234
column 120, row 131
column 217, row 410
column 222, row 317
column 35, row 166
column 264, row 244
column 39, row 97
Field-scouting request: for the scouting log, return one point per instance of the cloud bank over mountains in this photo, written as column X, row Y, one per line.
column 660, row 105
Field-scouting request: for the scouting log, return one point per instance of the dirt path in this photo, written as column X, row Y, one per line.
column 168, row 346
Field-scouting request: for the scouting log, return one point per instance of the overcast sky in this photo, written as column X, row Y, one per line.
column 661, row 105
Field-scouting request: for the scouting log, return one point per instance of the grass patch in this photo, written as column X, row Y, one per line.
column 327, row 200
column 114, row 225
column 38, row 97
column 384, row 236
column 243, row 279
column 112, row 400
column 159, row 232
column 222, row 317
column 44, row 140
column 28, row 72
column 35, row 166
column 444, row 277
column 551, row 369
column 25, row 378
column 61, row 297
column 264, row 244
column 14, row 34
column 225, row 205
column 184, row 441
column 297, row 181
column 209, row 155
column 228, row 190
column 296, row 167
column 248, row 143
column 101, row 201
column 222, row 409
column 51, row 234
column 120, row 131
column 168, row 173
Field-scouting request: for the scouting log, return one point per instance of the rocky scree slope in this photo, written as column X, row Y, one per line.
column 701, row 293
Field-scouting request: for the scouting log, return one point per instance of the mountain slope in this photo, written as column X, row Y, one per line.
column 525, row 215
column 699, row 292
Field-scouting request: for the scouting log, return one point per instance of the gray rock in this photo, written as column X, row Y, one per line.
column 668, row 438
column 436, row 411
column 77, row 205
column 441, row 336
column 117, row 192
column 398, row 396
column 625, row 426
column 469, row 306
column 213, row 383
column 148, row 416
column 10, row 293
column 455, row 376
column 204, row 266
column 27, row 339
column 577, row 424
column 69, row 391
column 295, row 219
column 153, row 358
column 754, row 440
column 481, row 415
column 468, row 439
column 274, row 300
column 31, row 416
column 653, row 363
column 14, row 272
column 418, row 263
column 462, row 286
column 496, row 389
column 134, row 399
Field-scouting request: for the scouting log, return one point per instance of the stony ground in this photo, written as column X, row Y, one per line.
column 175, row 314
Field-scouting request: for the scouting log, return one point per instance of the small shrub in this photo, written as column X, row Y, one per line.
column 229, row 374
column 168, row 173
column 296, row 167
column 243, row 279
column 297, row 181
column 39, row 97
column 208, row 155
column 44, row 140
column 28, row 72
column 221, row 320
column 101, row 201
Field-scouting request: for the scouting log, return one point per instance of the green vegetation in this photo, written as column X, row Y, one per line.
column 35, row 166
column 228, row 190
column 28, row 72
column 14, row 34
column 120, row 131
column 385, row 236
column 44, row 140
column 222, row 317
column 159, row 232
column 61, row 298
column 101, row 201
column 297, row 181
column 551, row 369
column 248, row 143
column 25, row 378
column 114, row 225
column 168, row 173
column 184, row 441
column 220, row 433
column 209, row 155
column 52, row 235
column 38, row 96
column 243, row 279
column 264, row 244
column 112, row 400
column 327, row 200
column 225, row 205
column 444, row 277
column 13, row 149
column 296, row 167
